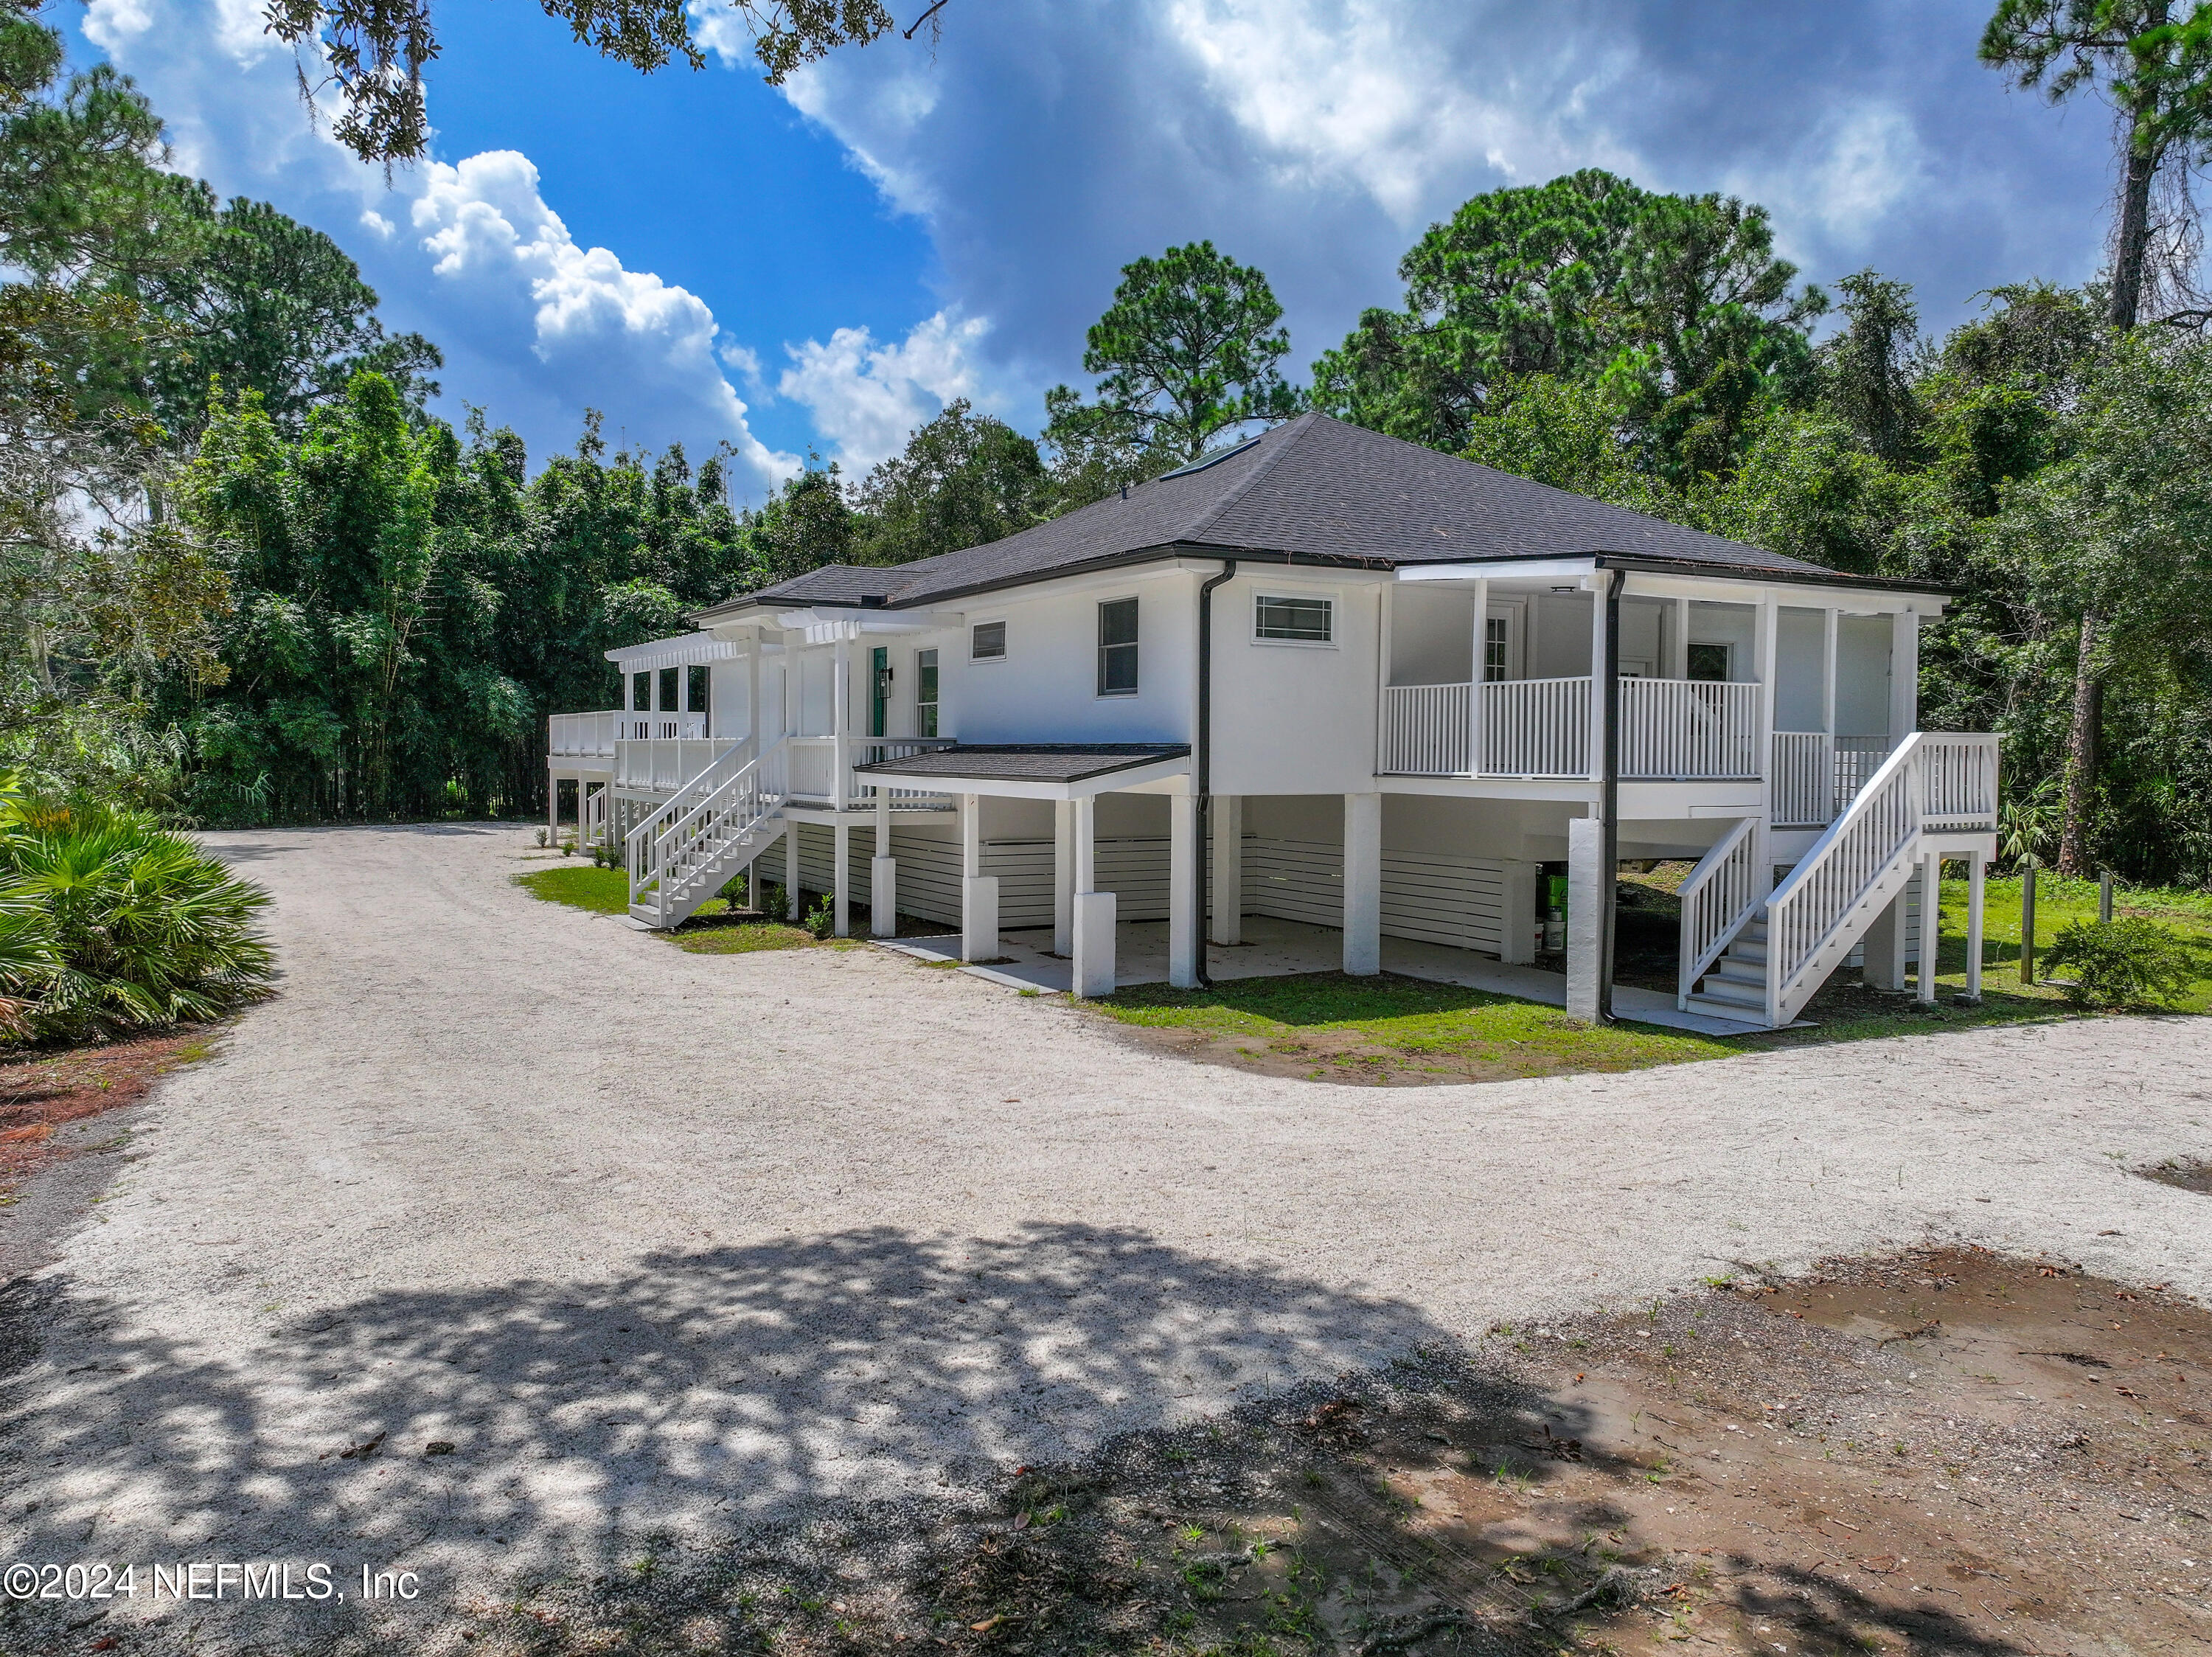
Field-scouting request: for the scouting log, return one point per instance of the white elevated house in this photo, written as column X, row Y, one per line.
column 1325, row 678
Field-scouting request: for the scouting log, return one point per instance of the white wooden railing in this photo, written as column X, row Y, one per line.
column 813, row 765
column 661, row 765
column 1685, row 729
column 1427, row 729
column 1931, row 780
column 1534, row 728
column 593, row 736
column 1816, row 775
column 672, row 845
column 1721, row 893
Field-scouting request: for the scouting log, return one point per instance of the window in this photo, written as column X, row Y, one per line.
column 925, row 693
column 1709, row 663
column 879, row 690
column 1293, row 621
column 641, row 692
column 1497, row 663
column 987, row 641
column 667, row 689
column 1117, row 648
column 698, row 689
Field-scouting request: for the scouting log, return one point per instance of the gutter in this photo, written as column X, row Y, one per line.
column 1202, row 768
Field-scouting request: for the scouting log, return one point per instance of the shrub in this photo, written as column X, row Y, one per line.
column 821, row 919
column 109, row 922
column 2131, row 962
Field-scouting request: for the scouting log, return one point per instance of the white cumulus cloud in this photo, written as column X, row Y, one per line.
column 866, row 397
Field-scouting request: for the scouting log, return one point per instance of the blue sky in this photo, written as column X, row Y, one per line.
column 818, row 267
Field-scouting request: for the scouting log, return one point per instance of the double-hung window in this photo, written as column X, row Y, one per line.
column 925, row 693
column 1117, row 648
column 1293, row 621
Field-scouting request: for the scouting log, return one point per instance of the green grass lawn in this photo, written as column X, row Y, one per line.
column 716, row 929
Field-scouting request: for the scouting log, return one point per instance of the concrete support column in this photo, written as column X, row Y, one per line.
column 1227, row 898
column 1182, row 891
column 1976, row 881
column 1586, row 895
column 1363, row 884
column 882, row 875
column 553, row 805
column 840, row 877
column 1091, row 943
column 979, row 893
column 1063, row 877
column 1930, row 929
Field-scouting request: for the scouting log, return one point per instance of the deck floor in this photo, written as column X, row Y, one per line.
column 1275, row 947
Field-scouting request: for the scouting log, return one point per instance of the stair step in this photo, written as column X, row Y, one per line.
column 1731, row 1011
column 1746, row 951
column 1739, row 971
column 1738, row 994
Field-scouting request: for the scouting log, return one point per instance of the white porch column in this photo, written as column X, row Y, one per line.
column 1384, row 609
column 1182, row 891
column 1479, row 675
column 1063, row 877
column 1904, row 676
column 882, row 874
column 1092, row 942
column 553, row 805
column 1976, row 881
column 840, row 720
column 791, row 909
column 1678, row 643
column 1586, row 895
column 1227, row 896
column 1828, row 658
column 753, row 692
column 1597, row 583
column 841, row 839
column 979, row 893
column 1363, row 884
column 1928, row 936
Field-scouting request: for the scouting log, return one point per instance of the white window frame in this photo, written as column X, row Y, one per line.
column 1098, row 651
column 1328, row 599
column 1005, row 640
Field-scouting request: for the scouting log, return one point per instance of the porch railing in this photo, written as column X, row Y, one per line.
column 1425, row 730
column 1534, row 728
column 1817, row 775
column 662, row 765
column 594, row 735
column 813, row 766
column 1685, row 729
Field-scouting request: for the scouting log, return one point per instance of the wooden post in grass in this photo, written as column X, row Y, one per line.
column 2104, row 896
column 2028, row 919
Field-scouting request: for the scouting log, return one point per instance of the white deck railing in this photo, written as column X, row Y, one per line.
column 663, row 764
column 1534, row 728
column 681, row 842
column 593, row 736
column 1688, row 730
column 813, row 764
column 1670, row 729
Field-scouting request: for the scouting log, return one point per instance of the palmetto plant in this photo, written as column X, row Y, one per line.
column 109, row 922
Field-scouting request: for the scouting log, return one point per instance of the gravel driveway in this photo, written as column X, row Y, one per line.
column 659, row 1240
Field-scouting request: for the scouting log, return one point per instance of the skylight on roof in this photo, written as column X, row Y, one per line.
column 1206, row 460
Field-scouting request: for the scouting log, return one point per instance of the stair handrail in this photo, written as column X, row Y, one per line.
column 1721, row 893
column 748, row 776
column 1853, row 853
column 636, row 844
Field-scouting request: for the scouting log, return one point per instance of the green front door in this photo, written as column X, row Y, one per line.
column 879, row 689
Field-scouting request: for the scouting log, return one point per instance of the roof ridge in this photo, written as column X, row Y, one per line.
column 1299, row 424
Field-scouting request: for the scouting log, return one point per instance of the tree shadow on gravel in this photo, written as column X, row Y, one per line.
column 544, row 1426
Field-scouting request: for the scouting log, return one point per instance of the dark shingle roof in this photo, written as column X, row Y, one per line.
column 1028, row 762
column 1313, row 488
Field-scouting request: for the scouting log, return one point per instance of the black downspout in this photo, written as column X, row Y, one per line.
column 1609, row 850
column 1202, row 765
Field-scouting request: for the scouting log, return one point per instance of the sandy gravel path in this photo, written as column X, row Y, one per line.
column 652, row 1238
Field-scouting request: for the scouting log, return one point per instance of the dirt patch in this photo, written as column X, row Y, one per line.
column 1945, row 1451
column 1344, row 1057
column 2182, row 1174
column 41, row 1093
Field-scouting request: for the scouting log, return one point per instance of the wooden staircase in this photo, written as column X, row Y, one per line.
column 710, row 830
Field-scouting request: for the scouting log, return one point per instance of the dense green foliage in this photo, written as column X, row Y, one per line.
column 2129, row 962
column 109, row 923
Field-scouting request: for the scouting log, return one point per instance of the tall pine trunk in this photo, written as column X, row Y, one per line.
column 2082, row 753
column 2131, row 246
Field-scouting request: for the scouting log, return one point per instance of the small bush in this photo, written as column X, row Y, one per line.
column 775, row 901
column 2131, row 962
column 821, row 919
column 607, row 857
column 544, row 835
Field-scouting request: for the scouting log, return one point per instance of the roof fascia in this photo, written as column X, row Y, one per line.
column 1012, row 788
column 1154, row 554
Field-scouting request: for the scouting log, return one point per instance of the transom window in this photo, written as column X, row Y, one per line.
column 1294, row 621
column 1117, row 648
column 987, row 641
